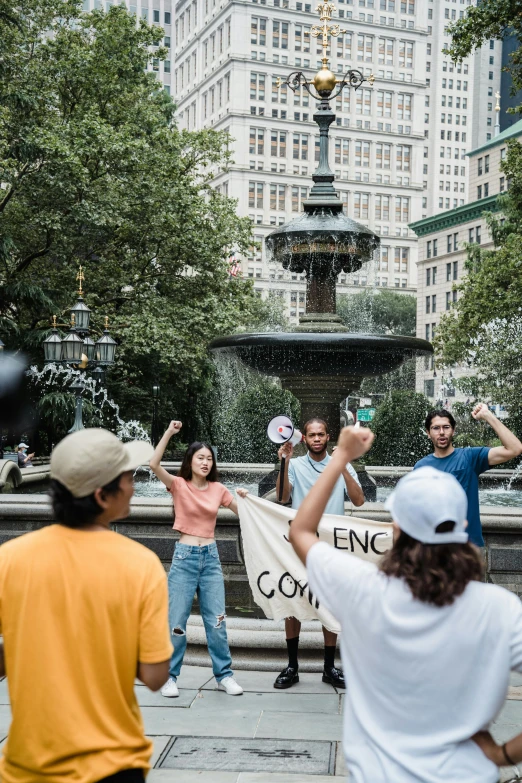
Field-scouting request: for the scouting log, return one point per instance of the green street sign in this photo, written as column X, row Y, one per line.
column 365, row 414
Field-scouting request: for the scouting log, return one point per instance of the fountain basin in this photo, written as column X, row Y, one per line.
column 321, row 369
column 323, row 238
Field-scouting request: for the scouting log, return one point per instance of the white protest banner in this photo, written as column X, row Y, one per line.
column 277, row 577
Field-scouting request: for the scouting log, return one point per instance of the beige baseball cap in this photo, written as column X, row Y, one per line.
column 91, row 458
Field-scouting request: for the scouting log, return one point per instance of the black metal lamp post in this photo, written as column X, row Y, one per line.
column 154, row 426
column 78, row 350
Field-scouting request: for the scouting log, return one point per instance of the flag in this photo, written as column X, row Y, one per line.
column 234, row 267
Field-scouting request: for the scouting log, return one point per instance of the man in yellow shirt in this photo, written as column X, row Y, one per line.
column 83, row 611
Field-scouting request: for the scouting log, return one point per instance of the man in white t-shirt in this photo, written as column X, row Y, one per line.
column 301, row 473
column 427, row 647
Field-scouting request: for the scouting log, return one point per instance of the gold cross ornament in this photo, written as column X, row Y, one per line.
column 324, row 30
column 80, row 277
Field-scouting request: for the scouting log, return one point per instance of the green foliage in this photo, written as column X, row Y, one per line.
column 398, row 425
column 384, row 312
column 484, row 328
column 235, row 411
column 95, row 171
column 241, row 435
column 489, row 19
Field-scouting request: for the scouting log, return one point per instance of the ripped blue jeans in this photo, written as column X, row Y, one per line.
column 197, row 570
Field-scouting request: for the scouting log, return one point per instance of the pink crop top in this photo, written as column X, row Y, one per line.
column 196, row 509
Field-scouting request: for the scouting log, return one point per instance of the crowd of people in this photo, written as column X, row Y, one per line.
column 426, row 644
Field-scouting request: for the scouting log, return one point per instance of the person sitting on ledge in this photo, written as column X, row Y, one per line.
column 426, row 645
column 301, row 474
column 24, row 459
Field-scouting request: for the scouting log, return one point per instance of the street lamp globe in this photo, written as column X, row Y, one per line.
column 72, row 347
column 105, row 348
column 89, row 348
column 82, row 315
column 52, row 346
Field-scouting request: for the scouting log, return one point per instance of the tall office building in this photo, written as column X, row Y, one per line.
column 459, row 108
column 397, row 148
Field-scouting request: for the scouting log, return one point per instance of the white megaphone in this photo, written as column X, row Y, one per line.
column 281, row 430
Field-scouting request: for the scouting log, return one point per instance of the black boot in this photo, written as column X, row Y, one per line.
column 334, row 676
column 287, row 678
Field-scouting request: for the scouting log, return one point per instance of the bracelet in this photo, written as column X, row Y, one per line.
column 506, row 755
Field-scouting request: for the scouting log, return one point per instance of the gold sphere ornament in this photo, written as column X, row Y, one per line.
column 324, row 81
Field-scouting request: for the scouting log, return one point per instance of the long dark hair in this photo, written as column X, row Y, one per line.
column 435, row 573
column 185, row 470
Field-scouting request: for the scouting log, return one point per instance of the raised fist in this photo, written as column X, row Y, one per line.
column 174, row 427
column 355, row 440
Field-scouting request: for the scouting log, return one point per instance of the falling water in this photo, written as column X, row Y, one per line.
column 126, row 430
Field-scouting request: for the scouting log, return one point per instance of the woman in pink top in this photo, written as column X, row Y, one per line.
column 196, row 569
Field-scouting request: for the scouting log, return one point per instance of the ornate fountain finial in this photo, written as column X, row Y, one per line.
column 80, row 277
column 324, row 81
column 106, row 322
column 54, row 322
column 325, row 11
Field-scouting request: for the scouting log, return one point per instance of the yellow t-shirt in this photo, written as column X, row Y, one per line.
column 78, row 610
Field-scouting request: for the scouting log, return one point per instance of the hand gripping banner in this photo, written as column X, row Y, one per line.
column 277, row 577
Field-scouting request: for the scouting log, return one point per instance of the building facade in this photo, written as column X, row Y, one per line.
column 442, row 256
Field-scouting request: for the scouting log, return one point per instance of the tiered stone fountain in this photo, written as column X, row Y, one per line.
column 321, row 362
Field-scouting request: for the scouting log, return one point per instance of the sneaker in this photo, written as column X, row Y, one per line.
column 170, row 689
column 229, row 685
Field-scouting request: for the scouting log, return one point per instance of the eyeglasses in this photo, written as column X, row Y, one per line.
column 445, row 427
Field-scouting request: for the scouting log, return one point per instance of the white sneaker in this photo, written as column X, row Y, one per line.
column 229, row 685
column 170, row 689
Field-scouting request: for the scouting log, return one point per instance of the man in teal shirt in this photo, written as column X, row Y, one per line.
column 467, row 464
column 301, row 474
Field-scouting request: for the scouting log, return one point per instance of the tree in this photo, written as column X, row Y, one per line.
column 489, row 19
column 398, row 425
column 384, row 312
column 95, row 171
column 484, row 328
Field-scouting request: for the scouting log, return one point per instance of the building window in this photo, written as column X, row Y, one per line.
column 455, row 270
column 257, row 86
column 435, row 248
column 434, row 303
column 428, row 249
column 280, row 35
column 434, row 275
column 277, row 197
column 278, row 144
column 429, row 388
column 300, row 146
column 255, row 194
column 448, row 300
column 428, row 303
column 258, row 31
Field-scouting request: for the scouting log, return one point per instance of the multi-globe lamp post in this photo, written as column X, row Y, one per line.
column 79, row 351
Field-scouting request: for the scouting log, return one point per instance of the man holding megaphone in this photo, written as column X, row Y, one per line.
column 296, row 479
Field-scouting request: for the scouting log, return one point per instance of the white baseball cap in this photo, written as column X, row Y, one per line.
column 92, row 458
column 423, row 499
column 23, row 446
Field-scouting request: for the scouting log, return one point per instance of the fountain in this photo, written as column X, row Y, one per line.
column 321, row 362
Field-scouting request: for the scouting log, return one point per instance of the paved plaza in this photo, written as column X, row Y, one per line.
column 291, row 736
